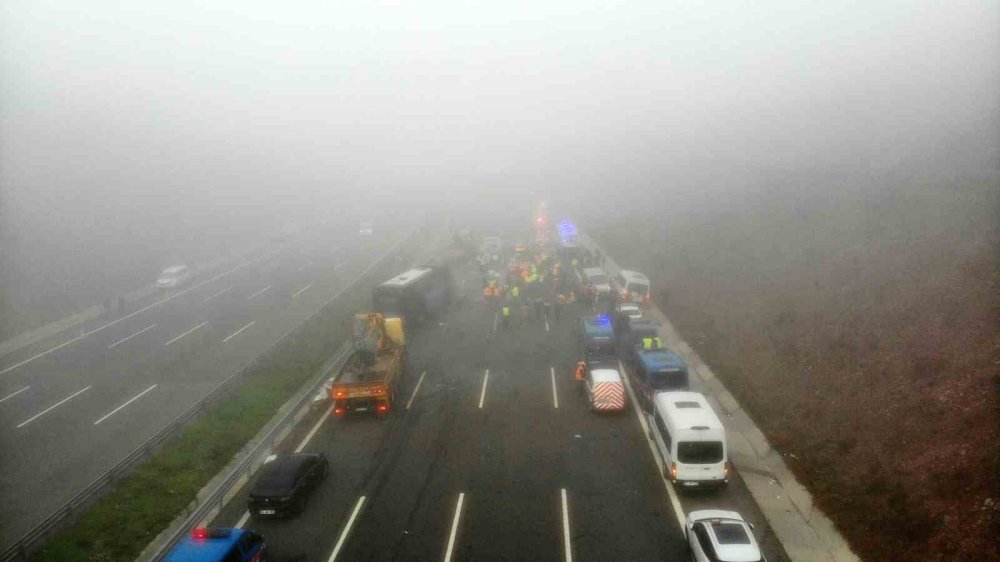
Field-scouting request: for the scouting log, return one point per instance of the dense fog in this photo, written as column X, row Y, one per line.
column 136, row 135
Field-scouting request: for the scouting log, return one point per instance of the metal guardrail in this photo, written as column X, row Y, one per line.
column 20, row 549
column 252, row 460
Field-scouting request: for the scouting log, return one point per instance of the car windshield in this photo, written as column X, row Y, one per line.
column 699, row 452
column 638, row 288
column 731, row 533
column 599, row 279
column 600, row 349
column 668, row 381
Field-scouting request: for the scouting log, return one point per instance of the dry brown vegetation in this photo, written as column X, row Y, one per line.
column 860, row 329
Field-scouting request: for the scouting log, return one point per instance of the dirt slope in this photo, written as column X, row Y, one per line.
column 861, row 331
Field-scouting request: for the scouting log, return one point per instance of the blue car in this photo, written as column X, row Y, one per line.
column 219, row 545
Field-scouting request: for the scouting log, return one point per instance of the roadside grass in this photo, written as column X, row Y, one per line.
column 860, row 332
column 120, row 525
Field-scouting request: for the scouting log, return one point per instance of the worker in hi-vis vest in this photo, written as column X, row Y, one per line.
column 651, row 343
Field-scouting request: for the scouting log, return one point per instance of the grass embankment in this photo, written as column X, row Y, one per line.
column 860, row 329
column 123, row 523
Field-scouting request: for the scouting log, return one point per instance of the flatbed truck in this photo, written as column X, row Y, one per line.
column 369, row 380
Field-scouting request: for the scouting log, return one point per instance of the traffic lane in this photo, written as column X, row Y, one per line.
column 231, row 339
column 314, row 531
column 17, row 360
column 617, row 508
column 411, row 508
column 94, row 359
column 736, row 497
column 182, row 388
column 411, row 495
column 137, row 312
column 95, row 353
column 509, row 461
column 621, row 509
column 364, row 453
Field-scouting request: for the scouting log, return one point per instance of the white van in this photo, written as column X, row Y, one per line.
column 632, row 286
column 598, row 279
column 173, row 276
column 690, row 439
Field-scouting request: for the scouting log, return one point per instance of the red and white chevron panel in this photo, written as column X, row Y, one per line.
column 609, row 396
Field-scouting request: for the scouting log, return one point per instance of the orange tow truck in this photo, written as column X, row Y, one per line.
column 369, row 379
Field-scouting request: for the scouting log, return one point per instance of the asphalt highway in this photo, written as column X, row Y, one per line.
column 73, row 406
column 490, row 453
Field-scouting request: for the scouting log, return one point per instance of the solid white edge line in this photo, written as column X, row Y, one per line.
column 42, row 354
column 237, row 332
column 415, row 389
column 555, row 396
column 132, row 336
column 259, row 292
column 186, row 333
column 243, row 520
column 674, row 500
column 115, row 411
column 302, row 290
column 347, row 529
column 482, row 395
column 365, row 272
column 312, row 432
column 546, row 324
column 565, row 518
column 454, row 527
column 496, row 318
column 53, row 407
column 126, row 317
column 15, row 394
column 222, row 292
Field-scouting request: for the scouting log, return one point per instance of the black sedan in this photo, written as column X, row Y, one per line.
column 284, row 483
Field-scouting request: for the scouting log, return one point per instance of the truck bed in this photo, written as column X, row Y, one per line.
column 353, row 372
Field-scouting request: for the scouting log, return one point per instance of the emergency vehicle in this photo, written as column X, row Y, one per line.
column 219, row 545
column 655, row 370
column 597, row 337
column 604, row 386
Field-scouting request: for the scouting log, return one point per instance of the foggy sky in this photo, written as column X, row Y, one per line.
column 126, row 119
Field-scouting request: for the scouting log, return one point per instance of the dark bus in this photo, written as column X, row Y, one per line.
column 416, row 295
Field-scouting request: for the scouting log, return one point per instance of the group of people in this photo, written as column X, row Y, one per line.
column 537, row 285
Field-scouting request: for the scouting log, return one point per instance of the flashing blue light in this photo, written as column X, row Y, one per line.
column 567, row 229
column 602, row 319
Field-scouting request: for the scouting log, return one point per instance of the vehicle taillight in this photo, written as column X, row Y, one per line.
column 728, row 467
column 338, row 411
column 382, row 407
column 339, row 394
column 379, row 390
column 199, row 533
column 673, row 471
